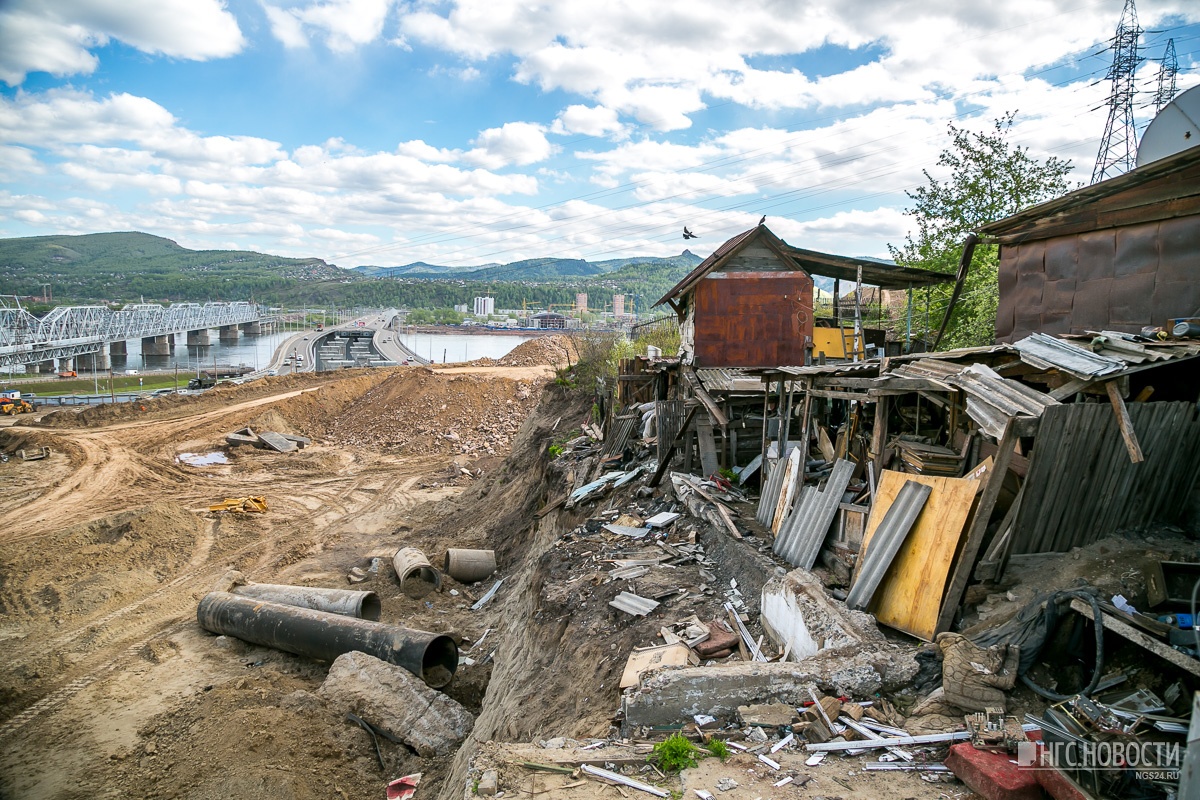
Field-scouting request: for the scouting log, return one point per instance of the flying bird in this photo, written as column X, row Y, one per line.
column 688, row 234
column 763, row 220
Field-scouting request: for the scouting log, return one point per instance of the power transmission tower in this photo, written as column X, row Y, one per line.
column 1118, row 148
column 1168, row 68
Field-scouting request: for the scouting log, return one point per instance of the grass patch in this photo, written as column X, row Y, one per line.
column 675, row 753
column 718, row 748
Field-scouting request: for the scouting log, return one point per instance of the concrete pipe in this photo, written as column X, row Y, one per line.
column 362, row 605
column 433, row 657
column 417, row 576
column 469, row 566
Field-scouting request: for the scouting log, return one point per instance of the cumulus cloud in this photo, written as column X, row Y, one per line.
column 587, row 120
column 37, row 36
column 344, row 25
column 519, row 143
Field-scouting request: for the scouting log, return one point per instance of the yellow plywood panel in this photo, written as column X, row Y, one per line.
column 910, row 595
column 832, row 342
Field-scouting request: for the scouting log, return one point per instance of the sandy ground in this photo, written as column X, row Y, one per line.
column 107, row 685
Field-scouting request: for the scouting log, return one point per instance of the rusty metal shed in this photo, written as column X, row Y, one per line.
column 1117, row 256
column 750, row 303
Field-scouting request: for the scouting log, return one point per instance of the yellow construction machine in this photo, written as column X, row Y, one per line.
column 256, row 504
column 12, row 404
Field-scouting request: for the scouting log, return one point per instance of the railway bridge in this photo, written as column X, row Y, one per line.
column 83, row 337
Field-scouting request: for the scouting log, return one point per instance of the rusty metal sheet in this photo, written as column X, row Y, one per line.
column 753, row 319
column 1125, row 278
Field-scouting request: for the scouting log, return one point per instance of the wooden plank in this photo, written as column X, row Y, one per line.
column 835, row 395
column 710, row 405
column 1073, row 386
column 1124, row 423
column 1186, row 663
column 708, row 448
column 909, row 596
column 879, row 434
column 983, row 512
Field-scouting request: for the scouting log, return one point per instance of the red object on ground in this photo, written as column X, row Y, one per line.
column 1060, row 786
column 993, row 776
column 403, row 788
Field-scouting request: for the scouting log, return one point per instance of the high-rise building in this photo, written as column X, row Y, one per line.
column 485, row 306
column 581, row 302
column 618, row 305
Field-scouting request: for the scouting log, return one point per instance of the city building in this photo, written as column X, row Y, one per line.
column 485, row 306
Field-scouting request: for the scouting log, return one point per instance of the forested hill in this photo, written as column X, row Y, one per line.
column 126, row 266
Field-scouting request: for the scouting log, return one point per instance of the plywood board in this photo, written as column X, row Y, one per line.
column 910, row 595
column 666, row 655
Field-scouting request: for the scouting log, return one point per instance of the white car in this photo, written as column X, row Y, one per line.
column 272, row 372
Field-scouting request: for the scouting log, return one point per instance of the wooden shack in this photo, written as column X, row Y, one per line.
column 750, row 303
column 1120, row 255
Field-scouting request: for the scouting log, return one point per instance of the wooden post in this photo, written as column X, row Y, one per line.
column 879, row 434
column 979, row 524
column 1124, row 423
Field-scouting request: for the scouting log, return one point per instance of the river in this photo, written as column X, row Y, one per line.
column 441, row 347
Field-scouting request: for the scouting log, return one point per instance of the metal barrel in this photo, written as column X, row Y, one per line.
column 433, row 657
column 417, row 576
column 348, row 603
column 1187, row 329
column 469, row 566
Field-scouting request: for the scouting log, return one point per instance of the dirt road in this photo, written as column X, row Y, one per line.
column 106, row 546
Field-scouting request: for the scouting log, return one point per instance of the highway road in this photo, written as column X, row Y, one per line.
column 305, row 343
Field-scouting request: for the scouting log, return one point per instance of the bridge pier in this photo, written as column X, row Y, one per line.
column 156, row 346
column 251, row 329
column 118, row 348
column 93, row 362
column 198, row 338
column 228, row 333
column 66, row 364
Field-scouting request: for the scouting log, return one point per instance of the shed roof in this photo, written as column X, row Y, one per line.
column 875, row 273
column 1159, row 190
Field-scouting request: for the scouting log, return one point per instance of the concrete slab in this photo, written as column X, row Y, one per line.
column 993, row 776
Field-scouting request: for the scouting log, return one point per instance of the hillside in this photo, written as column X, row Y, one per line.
column 530, row 269
column 129, row 265
column 123, row 267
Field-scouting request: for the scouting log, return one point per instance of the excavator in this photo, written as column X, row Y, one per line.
column 12, row 404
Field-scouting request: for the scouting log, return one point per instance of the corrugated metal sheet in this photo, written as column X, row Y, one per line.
column 668, row 417
column 770, row 493
column 1081, row 485
column 931, row 368
column 618, row 437
column 886, row 542
column 803, row 532
column 993, row 400
column 840, row 368
column 633, row 604
column 1047, row 352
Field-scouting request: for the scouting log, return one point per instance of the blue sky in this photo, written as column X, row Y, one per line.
column 475, row 131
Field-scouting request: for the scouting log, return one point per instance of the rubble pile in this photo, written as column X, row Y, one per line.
column 552, row 350
column 424, row 412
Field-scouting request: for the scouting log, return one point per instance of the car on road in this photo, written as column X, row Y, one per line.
column 162, row 392
column 272, row 372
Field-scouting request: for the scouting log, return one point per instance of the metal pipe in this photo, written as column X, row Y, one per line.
column 417, row 576
column 348, row 603
column 469, row 566
column 433, row 657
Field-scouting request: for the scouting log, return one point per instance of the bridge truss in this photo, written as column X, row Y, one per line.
column 70, row 331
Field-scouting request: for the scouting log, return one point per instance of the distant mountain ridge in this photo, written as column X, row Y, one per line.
column 530, row 269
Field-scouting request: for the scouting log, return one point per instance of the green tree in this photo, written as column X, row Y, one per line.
column 990, row 178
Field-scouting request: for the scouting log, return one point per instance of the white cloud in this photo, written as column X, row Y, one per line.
column 345, row 25
column 588, row 120
column 519, row 143
column 57, row 37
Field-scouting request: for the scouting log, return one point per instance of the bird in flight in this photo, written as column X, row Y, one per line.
column 688, row 234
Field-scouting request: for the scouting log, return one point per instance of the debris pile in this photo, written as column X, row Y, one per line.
column 425, row 412
column 554, row 351
column 267, row 440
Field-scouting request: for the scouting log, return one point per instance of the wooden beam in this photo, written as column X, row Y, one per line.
column 714, row 411
column 1071, row 387
column 979, row 524
column 886, row 382
column 832, row 395
column 1137, row 637
column 879, row 436
column 1124, row 423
